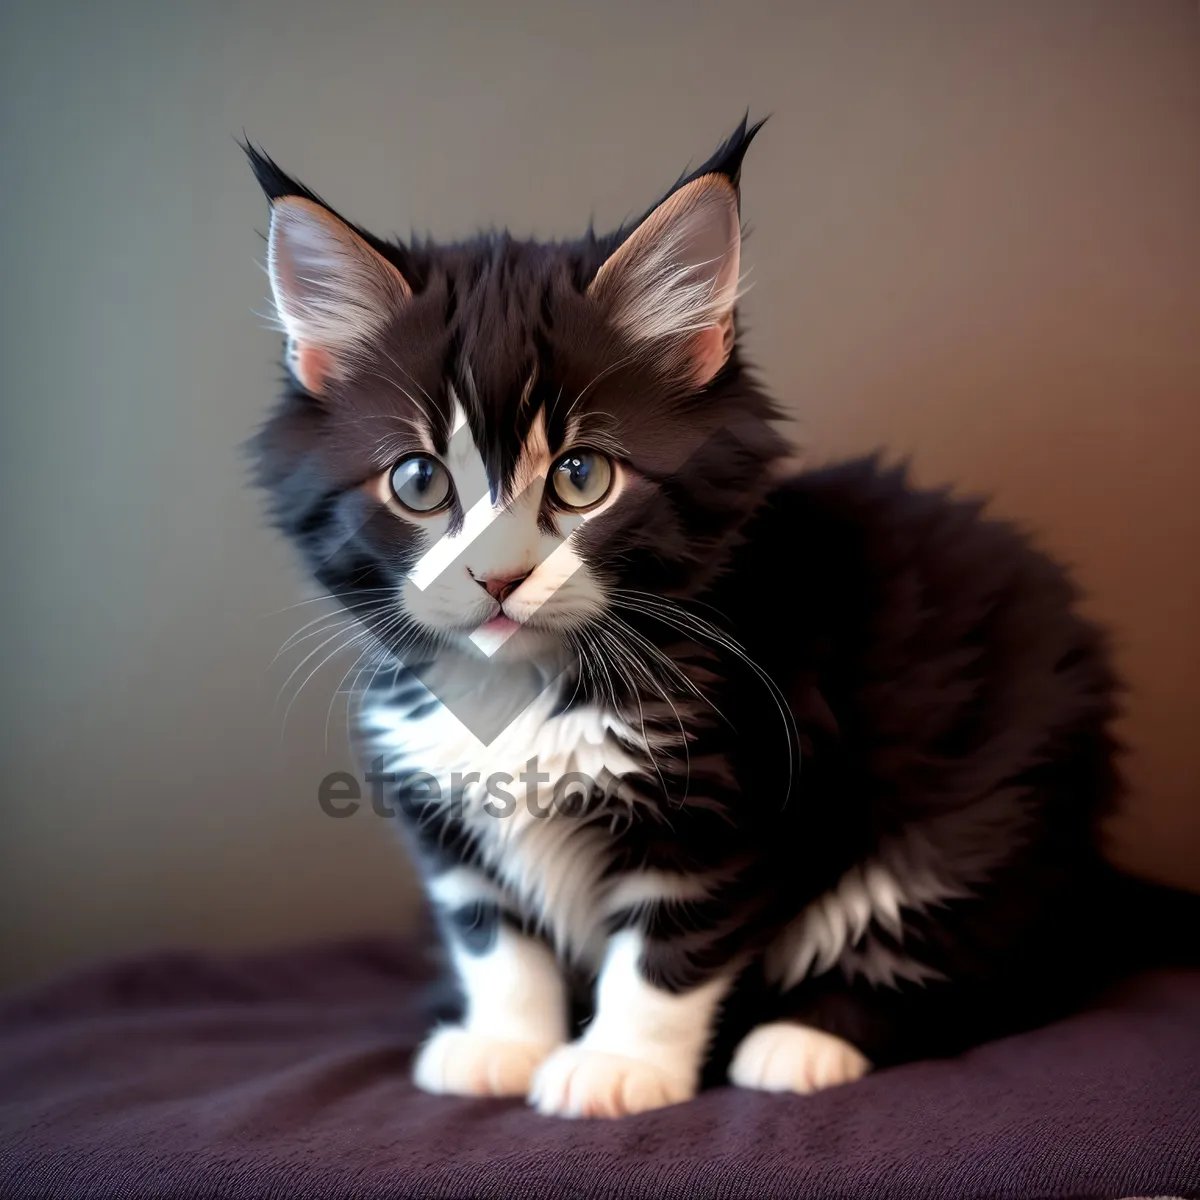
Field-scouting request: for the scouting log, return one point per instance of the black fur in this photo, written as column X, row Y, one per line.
column 901, row 661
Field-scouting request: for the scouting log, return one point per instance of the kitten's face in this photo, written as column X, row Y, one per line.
column 505, row 554
column 496, row 443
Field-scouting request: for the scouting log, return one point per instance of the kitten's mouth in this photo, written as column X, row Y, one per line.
column 494, row 632
column 501, row 623
column 499, row 628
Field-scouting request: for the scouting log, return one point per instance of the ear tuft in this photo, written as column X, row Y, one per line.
column 727, row 159
column 271, row 177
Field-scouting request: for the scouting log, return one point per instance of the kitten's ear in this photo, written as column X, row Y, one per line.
column 672, row 283
column 333, row 291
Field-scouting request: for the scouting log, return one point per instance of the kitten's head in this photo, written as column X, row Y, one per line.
column 498, row 440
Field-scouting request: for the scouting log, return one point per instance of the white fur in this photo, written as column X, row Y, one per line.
column 784, row 1057
column 552, row 864
column 515, row 990
column 465, row 464
column 448, row 546
column 641, row 888
column 459, row 887
column 822, row 936
column 929, row 863
column 456, row 1062
column 643, row 1049
column 516, row 1015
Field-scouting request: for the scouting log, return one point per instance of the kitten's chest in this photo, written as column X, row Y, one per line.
column 536, row 752
column 514, row 796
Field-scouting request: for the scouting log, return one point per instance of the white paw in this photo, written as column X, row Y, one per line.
column 457, row 1062
column 578, row 1082
column 784, row 1057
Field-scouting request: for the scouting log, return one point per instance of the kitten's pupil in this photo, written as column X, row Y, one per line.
column 579, row 470
column 582, row 478
column 421, row 483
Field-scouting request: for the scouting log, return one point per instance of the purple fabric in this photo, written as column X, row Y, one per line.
column 286, row 1075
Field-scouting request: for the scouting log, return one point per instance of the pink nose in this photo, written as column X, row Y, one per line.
column 500, row 587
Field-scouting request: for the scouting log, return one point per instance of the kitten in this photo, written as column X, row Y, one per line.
column 709, row 775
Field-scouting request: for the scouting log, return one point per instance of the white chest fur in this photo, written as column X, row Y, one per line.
column 550, row 857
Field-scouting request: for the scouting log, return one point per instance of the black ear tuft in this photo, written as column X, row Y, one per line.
column 276, row 184
column 273, row 181
column 727, row 160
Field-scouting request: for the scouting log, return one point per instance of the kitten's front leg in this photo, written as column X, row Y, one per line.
column 821, row 1035
column 643, row 1049
column 516, row 1004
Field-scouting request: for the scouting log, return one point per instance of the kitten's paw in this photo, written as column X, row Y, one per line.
column 578, row 1082
column 786, row 1057
column 457, row 1062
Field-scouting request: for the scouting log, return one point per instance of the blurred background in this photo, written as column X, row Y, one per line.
column 975, row 241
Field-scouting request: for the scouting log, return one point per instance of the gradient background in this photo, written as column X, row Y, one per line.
column 976, row 240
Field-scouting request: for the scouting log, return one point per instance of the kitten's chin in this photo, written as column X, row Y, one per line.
column 502, row 638
column 496, row 633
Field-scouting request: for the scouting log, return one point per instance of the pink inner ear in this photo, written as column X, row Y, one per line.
column 677, row 273
column 333, row 291
column 709, row 350
column 312, row 366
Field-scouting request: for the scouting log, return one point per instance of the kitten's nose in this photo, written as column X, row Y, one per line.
column 500, row 587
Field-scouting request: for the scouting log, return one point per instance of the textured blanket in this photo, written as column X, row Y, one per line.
column 286, row 1075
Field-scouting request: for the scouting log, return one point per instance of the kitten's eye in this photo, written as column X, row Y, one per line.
column 421, row 484
column 581, row 478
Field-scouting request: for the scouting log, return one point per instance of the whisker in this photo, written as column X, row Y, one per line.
column 595, row 380
column 684, row 621
column 338, row 617
column 382, row 652
column 325, row 596
column 338, row 649
column 618, row 646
